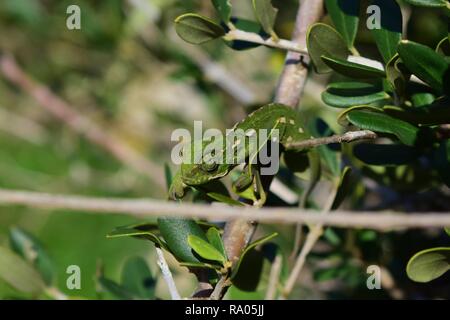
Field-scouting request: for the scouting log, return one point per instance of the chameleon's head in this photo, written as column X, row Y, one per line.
column 201, row 163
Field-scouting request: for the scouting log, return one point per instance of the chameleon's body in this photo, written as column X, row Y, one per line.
column 269, row 117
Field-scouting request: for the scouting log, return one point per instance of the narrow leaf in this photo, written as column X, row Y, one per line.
column 425, row 63
column 385, row 154
column 29, row 248
column 352, row 69
column 428, row 3
column 224, row 199
column 344, row 187
column 266, row 14
column 390, row 34
column 223, row 7
column 379, row 122
column 196, row 29
column 348, row 94
column 345, row 17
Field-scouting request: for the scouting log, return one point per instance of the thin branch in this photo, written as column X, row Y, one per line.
column 79, row 123
column 313, row 236
column 379, row 220
column 274, row 277
column 167, row 275
column 252, row 37
column 346, row 137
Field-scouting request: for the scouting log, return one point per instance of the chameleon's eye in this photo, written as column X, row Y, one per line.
column 209, row 166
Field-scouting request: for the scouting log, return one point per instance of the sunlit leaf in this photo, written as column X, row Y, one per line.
column 266, row 14
column 429, row 264
column 205, row 250
column 215, row 239
column 223, row 7
column 352, row 69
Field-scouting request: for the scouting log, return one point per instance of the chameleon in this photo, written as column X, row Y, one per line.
column 268, row 117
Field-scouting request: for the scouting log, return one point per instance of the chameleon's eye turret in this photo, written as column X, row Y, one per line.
column 209, row 166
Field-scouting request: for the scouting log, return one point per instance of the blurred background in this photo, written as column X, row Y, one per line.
column 127, row 74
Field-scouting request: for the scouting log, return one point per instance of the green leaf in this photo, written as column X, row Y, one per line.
column 443, row 47
column 137, row 278
column 168, row 175
column 447, row 230
column 116, row 290
column 342, row 117
column 345, row 17
column 266, row 14
column 175, row 232
column 196, row 29
column 348, row 94
column 223, row 7
column 385, row 154
column 429, row 264
column 390, row 34
column 205, row 250
column 224, row 199
column 430, row 115
column 379, row 122
column 215, row 239
column 200, row 265
column 397, row 75
column 19, row 274
column 248, row 249
column 250, row 271
column 344, row 187
column 352, row 69
column 29, row 248
column 428, row 3
column 425, row 63
column 323, row 40
column 147, row 231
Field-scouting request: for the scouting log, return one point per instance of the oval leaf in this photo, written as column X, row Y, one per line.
column 352, row 69
column 345, row 17
column 266, row 14
column 390, row 33
column 196, row 29
column 323, row 40
column 175, row 232
column 348, row 94
column 205, row 250
column 379, row 122
column 425, row 63
column 429, row 264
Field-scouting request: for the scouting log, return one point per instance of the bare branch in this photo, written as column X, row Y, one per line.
column 167, row 275
column 78, row 122
column 346, row 137
column 141, row 208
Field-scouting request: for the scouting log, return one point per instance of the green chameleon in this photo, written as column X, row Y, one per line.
column 269, row 117
column 197, row 175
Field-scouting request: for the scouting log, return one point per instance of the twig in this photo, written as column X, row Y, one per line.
column 78, row 122
column 346, row 137
column 274, row 278
column 379, row 220
column 167, row 275
column 313, row 236
column 268, row 42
